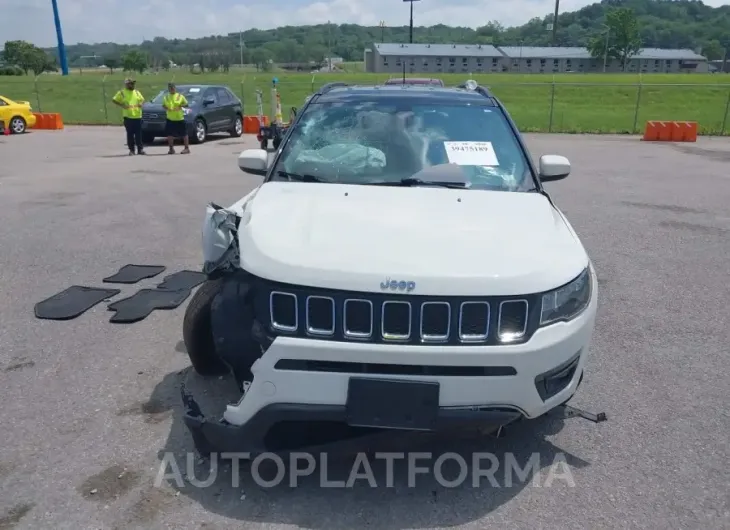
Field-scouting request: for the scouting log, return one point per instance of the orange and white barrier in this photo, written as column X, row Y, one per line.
column 670, row 131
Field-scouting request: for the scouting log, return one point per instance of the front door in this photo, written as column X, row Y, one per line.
column 226, row 105
column 213, row 111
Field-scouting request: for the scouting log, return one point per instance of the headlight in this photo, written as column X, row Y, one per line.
column 568, row 301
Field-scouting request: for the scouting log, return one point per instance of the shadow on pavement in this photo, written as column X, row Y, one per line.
column 395, row 499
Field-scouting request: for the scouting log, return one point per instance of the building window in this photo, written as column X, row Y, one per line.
column 568, row 64
column 479, row 64
column 529, row 63
column 465, row 60
column 385, row 61
column 556, row 62
column 494, row 61
column 542, row 63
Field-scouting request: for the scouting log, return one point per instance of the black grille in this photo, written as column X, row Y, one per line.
column 388, row 318
column 320, row 315
column 397, row 319
column 358, row 318
column 435, row 321
column 512, row 320
column 284, row 311
column 474, row 321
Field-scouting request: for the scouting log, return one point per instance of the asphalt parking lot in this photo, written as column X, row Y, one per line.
column 89, row 408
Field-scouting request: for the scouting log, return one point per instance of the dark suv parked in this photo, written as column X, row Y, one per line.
column 212, row 109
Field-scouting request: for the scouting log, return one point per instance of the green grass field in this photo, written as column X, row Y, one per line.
column 578, row 103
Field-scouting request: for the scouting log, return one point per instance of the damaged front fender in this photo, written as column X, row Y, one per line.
column 220, row 239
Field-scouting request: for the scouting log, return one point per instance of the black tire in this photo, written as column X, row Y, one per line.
column 200, row 132
column 232, row 323
column 148, row 139
column 197, row 331
column 237, row 129
column 17, row 125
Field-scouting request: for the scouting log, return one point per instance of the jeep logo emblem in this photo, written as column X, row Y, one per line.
column 395, row 285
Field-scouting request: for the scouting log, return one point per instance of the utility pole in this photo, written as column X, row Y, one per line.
column 59, row 35
column 555, row 23
column 329, row 47
column 410, row 38
column 240, row 45
column 605, row 51
column 382, row 30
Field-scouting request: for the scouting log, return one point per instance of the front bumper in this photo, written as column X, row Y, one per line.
column 306, row 380
column 158, row 128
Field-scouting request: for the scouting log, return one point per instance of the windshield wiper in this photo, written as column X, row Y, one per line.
column 300, row 178
column 412, row 182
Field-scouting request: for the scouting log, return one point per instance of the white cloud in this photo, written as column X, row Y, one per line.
column 121, row 21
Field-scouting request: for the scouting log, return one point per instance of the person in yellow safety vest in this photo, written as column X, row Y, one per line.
column 130, row 100
column 174, row 103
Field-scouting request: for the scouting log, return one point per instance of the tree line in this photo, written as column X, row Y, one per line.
column 634, row 24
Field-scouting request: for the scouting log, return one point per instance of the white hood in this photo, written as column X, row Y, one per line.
column 449, row 242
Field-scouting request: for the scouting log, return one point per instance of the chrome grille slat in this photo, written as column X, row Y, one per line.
column 388, row 334
column 312, row 330
column 516, row 334
column 346, row 329
column 435, row 337
column 468, row 335
column 281, row 296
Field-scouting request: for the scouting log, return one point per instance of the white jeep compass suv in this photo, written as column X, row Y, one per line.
column 400, row 267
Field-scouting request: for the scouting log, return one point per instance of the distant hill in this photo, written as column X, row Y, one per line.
column 664, row 24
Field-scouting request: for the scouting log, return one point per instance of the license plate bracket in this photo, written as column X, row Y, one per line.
column 392, row 404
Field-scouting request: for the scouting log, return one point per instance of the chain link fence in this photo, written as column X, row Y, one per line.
column 535, row 106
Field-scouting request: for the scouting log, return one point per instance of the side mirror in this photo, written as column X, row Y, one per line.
column 208, row 101
column 254, row 161
column 553, row 167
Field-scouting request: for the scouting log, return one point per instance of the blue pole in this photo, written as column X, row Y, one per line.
column 59, row 35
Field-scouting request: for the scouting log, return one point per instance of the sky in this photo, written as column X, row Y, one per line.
column 128, row 22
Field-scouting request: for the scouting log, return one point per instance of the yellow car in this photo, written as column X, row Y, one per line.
column 16, row 115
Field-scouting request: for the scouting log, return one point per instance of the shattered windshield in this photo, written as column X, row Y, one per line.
column 390, row 140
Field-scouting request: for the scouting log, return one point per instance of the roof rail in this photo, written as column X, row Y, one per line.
column 329, row 86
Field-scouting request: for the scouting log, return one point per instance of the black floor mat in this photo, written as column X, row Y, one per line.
column 72, row 302
column 138, row 306
column 182, row 280
column 134, row 273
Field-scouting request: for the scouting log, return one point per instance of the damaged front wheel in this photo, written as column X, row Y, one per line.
column 197, row 332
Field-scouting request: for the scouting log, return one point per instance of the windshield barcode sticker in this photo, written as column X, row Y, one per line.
column 471, row 153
